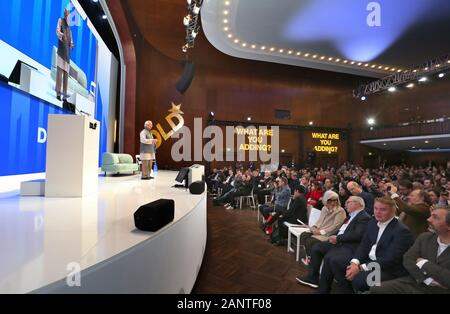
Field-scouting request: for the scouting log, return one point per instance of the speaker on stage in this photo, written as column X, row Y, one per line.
column 155, row 215
column 197, row 187
column 188, row 74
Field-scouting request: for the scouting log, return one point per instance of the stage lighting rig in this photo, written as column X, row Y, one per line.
column 191, row 22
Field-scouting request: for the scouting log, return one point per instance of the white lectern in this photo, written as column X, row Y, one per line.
column 72, row 155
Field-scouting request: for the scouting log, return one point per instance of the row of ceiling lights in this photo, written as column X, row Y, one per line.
column 290, row 52
column 211, row 115
column 411, row 85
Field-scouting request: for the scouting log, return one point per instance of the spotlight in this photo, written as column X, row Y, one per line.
column 410, row 85
column 363, row 98
column 392, row 89
column 194, row 34
column 187, row 19
column 104, row 16
column 212, row 113
column 423, row 79
column 184, row 48
column 311, row 122
column 196, row 9
column 371, row 121
column 249, row 118
column 441, row 75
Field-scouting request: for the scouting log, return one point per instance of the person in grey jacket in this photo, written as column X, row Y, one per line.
column 147, row 149
column 427, row 261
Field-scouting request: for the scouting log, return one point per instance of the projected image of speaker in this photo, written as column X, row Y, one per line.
column 188, row 74
column 197, row 187
column 155, row 215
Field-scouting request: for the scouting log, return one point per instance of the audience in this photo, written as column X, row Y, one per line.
column 344, row 243
column 384, row 242
column 342, row 248
column 427, row 261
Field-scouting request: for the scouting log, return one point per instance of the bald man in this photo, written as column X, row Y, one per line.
column 147, row 150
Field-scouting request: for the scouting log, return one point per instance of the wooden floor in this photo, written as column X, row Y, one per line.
column 240, row 259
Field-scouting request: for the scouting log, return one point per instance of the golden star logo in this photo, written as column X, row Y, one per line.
column 176, row 109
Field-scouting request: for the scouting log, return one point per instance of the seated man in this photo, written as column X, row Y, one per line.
column 356, row 190
column 344, row 243
column 427, row 261
column 384, row 242
column 282, row 197
column 297, row 211
column 415, row 212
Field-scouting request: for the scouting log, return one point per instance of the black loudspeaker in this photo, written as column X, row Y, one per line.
column 155, row 215
column 186, row 79
column 197, row 187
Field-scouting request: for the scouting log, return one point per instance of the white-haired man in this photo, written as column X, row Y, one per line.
column 147, row 149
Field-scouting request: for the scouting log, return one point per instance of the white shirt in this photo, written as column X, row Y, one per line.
column 441, row 248
column 382, row 226
column 344, row 226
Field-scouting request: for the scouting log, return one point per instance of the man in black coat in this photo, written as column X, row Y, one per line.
column 385, row 242
column 343, row 244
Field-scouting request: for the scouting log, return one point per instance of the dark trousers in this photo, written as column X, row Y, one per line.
column 265, row 210
column 406, row 285
column 307, row 239
column 229, row 196
column 261, row 195
column 334, row 266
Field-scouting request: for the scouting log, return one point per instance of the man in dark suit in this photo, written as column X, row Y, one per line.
column 427, row 261
column 384, row 243
column 342, row 244
column 357, row 190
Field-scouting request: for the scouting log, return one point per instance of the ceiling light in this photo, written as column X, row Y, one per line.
column 225, row 21
column 353, row 62
column 321, row 58
column 414, row 71
column 423, row 79
column 363, row 98
column 225, row 12
column 253, row 46
column 290, row 52
column 438, row 65
column 441, row 75
column 311, row 122
column 314, row 57
column 236, row 41
column 386, row 68
column 426, row 142
column 380, row 67
column 366, row 65
column 272, row 49
column 306, row 55
column 330, row 59
column 104, row 16
column 384, row 144
column 410, row 85
column 345, row 61
column 392, row 89
column 282, row 150
column 359, row 63
column 414, row 147
column 226, row 2
column 244, row 44
column 263, row 47
column 225, row 28
column 230, row 35
column 249, row 118
column 281, row 50
column 373, row 66
column 337, row 60
column 188, row 1
column 298, row 53
column 371, row 121
column 393, row 69
column 399, row 71
column 370, row 154
column 426, row 69
column 187, row 19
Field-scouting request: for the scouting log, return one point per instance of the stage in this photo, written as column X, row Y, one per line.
column 44, row 241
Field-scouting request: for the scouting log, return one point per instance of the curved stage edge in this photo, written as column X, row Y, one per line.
column 121, row 259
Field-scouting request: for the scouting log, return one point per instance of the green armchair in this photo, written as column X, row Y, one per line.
column 118, row 163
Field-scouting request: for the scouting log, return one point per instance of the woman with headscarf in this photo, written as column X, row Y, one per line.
column 331, row 219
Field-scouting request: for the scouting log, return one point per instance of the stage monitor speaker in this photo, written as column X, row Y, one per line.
column 197, row 187
column 188, row 74
column 155, row 215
